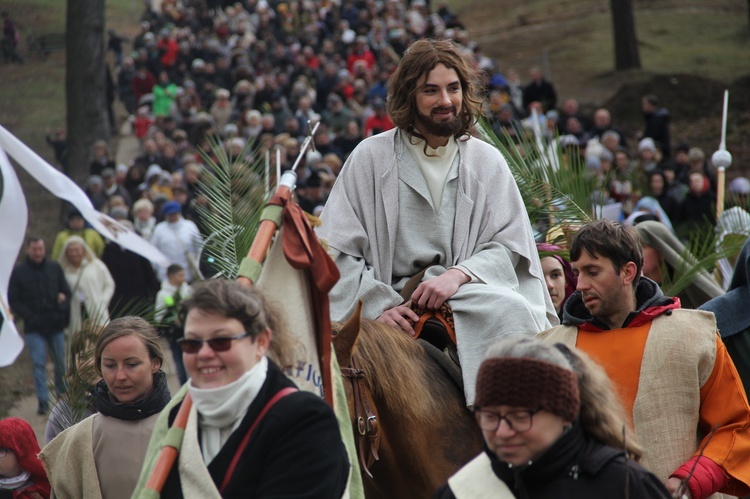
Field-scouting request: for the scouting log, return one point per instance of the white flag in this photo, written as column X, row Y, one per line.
column 13, row 219
column 64, row 188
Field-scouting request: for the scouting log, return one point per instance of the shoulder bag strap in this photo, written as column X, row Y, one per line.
column 230, row 471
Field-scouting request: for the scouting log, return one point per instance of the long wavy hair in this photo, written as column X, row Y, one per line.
column 421, row 58
column 602, row 415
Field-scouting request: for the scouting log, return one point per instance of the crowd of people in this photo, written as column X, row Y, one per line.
column 402, row 189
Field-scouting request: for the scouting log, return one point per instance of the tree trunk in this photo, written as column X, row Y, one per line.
column 626, row 43
column 85, row 88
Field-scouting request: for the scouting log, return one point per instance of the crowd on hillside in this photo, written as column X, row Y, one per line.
column 257, row 75
column 260, row 72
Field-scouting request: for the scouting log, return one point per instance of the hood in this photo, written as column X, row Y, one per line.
column 731, row 309
column 650, row 303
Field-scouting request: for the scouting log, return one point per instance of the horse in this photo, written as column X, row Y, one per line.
column 425, row 431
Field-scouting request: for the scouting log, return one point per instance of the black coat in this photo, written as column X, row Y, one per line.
column 32, row 294
column 295, row 451
column 657, row 127
column 135, row 281
column 576, row 467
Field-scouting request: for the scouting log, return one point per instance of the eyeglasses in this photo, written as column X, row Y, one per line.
column 220, row 344
column 519, row 421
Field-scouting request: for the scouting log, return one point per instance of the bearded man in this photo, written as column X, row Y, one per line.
column 425, row 192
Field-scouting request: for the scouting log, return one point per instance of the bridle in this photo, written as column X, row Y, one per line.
column 368, row 438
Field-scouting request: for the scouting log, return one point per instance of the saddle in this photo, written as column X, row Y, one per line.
column 435, row 330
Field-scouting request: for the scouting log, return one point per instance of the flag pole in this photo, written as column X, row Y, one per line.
column 268, row 227
column 722, row 160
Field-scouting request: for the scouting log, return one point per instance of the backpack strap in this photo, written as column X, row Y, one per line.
column 230, row 471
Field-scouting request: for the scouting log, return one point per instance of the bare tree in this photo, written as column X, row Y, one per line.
column 85, row 86
column 626, row 43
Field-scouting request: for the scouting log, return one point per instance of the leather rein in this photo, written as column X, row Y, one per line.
column 368, row 436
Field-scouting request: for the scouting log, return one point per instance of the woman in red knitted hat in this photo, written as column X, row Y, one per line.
column 22, row 474
column 552, row 428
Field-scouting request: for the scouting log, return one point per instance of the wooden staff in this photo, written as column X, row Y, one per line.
column 168, row 453
column 267, row 228
column 721, row 159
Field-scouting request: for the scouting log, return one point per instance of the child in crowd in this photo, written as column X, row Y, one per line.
column 173, row 290
column 22, row 474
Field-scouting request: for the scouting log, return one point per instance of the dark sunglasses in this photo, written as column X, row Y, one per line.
column 220, row 344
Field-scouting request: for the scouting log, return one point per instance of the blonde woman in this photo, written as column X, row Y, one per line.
column 90, row 282
column 102, row 455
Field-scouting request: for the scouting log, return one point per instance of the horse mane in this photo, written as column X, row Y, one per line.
column 398, row 370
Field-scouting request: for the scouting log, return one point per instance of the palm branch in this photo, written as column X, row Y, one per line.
column 702, row 253
column 236, row 193
column 554, row 185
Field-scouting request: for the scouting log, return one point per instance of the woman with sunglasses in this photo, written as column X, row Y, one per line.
column 102, row 455
column 552, row 428
column 250, row 432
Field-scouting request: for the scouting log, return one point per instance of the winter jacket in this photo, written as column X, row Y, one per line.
column 295, row 451
column 676, row 381
column 575, row 466
column 33, row 292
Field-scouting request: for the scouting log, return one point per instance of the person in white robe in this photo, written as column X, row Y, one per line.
column 427, row 192
column 90, row 283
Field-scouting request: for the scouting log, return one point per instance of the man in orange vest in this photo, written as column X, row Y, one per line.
column 668, row 364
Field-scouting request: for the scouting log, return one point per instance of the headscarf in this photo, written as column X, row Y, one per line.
column 732, row 221
column 88, row 256
column 731, row 309
column 18, row 436
column 649, row 206
column 571, row 281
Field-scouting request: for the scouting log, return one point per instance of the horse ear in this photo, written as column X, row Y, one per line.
column 344, row 341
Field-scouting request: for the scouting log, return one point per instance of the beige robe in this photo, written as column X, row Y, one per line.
column 99, row 458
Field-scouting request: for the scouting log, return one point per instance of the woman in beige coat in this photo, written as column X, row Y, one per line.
column 101, row 457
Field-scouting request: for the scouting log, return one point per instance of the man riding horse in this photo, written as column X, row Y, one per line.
column 427, row 192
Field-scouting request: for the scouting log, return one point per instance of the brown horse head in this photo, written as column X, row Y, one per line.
column 426, row 432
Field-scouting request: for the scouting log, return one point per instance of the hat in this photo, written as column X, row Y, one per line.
column 171, row 207
column 696, row 154
column 122, row 168
column 74, row 213
column 108, row 172
column 118, row 212
column 152, row 170
column 647, row 144
column 740, row 185
column 222, row 93
column 523, row 382
column 348, row 36
column 553, row 115
column 230, row 129
column 198, row 64
column 18, row 436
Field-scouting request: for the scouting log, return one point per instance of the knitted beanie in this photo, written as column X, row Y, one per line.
column 530, row 383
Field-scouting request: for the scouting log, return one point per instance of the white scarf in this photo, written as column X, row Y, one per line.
column 221, row 410
column 14, row 482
